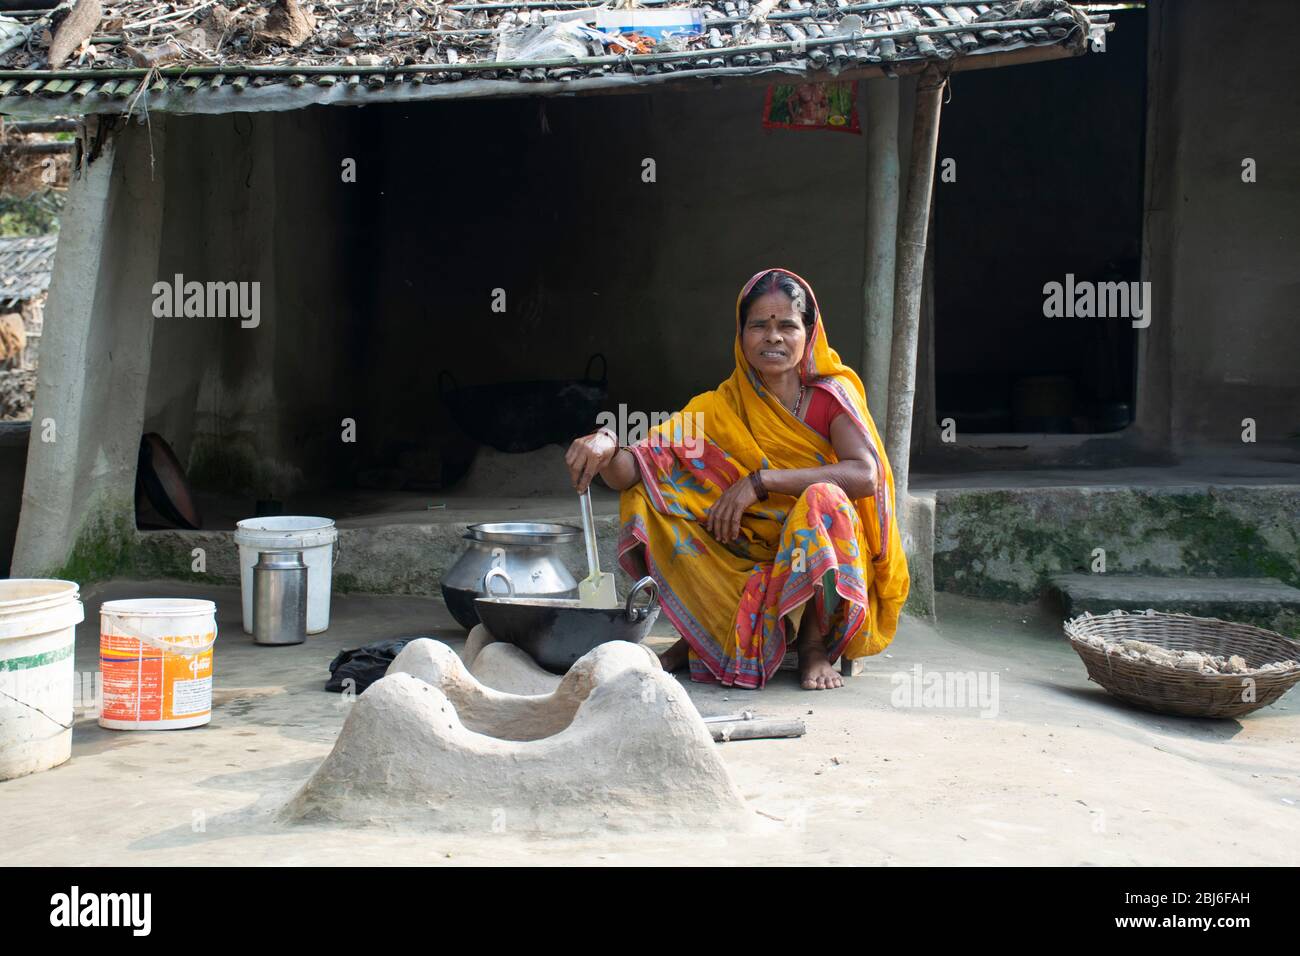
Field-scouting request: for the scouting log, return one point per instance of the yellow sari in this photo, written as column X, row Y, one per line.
column 731, row 601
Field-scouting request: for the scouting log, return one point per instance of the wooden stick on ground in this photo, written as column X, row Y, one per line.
column 748, row 727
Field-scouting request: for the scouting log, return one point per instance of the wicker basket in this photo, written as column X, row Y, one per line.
column 1169, row 690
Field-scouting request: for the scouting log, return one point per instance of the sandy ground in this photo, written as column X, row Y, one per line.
column 1051, row 771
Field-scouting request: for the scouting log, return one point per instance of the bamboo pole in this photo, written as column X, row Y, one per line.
column 43, row 126
column 910, row 275
column 881, row 101
column 41, row 149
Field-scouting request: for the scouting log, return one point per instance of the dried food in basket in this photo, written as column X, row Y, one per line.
column 1186, row 660
column 1185, row 665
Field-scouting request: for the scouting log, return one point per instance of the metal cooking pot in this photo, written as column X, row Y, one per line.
column 555, row 632
column 529, row 551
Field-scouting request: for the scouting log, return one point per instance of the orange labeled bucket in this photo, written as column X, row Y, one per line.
column 155, row 662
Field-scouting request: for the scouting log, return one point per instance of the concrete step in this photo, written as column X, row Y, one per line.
column 1265, row 602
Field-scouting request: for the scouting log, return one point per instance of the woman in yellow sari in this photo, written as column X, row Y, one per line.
column 765, row 508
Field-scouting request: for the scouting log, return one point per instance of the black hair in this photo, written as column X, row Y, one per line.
column 794, row 290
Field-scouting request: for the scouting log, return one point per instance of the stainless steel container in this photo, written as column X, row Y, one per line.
column 279, row 598
column 530, row 552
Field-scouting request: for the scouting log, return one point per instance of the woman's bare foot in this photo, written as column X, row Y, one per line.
column 816, row 672
column 676, row 657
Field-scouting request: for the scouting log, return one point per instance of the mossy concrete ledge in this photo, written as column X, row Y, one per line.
column 412, row 558
column 1006, row 544
column 104, row 548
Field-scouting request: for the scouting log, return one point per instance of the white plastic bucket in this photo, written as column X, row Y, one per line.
column 314, row 537
column 155, row 663
column 38, row 625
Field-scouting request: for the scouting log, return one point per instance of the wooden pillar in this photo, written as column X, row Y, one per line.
column 910, row 275
column 881, row 101
column 925, row 428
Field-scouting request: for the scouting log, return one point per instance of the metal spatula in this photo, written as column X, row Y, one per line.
column 596, row 589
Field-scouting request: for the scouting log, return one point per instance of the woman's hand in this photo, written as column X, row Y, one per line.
column 587, row 456
column 723, row 519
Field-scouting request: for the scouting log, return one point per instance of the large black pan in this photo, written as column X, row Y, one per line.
column 524, row 416
column 555, row 632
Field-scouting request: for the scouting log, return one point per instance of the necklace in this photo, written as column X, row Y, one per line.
column 798, row 402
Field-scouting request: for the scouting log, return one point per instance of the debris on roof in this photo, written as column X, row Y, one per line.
column 156, row 50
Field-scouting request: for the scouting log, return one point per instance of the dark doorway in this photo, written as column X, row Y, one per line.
column 1049, row 184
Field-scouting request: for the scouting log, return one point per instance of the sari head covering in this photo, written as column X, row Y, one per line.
column 731, row 602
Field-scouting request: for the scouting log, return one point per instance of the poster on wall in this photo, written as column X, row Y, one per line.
column 831, row 106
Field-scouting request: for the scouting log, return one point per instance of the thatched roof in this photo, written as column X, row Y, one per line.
column 25, row 266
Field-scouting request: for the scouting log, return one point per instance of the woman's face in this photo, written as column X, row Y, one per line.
column 773, row 336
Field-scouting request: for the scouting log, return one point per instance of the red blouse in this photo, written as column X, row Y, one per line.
column 822, row 410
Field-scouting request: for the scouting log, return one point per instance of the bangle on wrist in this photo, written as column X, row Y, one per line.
column 756, row 479
column 603, row 430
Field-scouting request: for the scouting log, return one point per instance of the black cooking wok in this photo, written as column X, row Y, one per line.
column 555, row 632
column 524, row 416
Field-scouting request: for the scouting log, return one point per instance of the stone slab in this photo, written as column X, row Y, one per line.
column 1266, row 602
